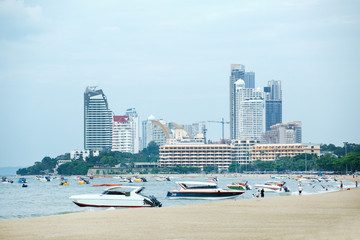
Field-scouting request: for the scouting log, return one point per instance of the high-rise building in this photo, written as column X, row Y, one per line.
column 134, row 121
column 196, row 128
column 126, row 132
column 250, row 112
column 273, row 101
column 238, row 72
column 97, row 120
column 156, row 131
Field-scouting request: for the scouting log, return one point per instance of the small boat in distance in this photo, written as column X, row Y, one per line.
column 119, row 196
column 273, row 186
column 202, row 190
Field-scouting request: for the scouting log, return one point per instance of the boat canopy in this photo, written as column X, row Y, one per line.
column 197, row 185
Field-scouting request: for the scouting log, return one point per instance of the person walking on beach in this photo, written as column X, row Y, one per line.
column 262, row 193
column 300, row 189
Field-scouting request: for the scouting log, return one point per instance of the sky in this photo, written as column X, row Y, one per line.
column 172, row 59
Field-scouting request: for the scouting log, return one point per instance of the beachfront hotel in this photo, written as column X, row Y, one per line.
column 242, row 151
column 272, row 152
column 196, row 155
column 97, row 120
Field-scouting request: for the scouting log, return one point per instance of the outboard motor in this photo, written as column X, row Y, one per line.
column 153, row 201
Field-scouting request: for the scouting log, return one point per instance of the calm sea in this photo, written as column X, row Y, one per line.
column 48, row 198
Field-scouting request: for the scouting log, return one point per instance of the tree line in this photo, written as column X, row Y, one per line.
column 338, row 159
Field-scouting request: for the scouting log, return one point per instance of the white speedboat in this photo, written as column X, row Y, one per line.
column 273, row 186
column 121, row 196
column 202, row 190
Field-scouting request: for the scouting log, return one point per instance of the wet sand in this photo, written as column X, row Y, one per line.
column 333, row 215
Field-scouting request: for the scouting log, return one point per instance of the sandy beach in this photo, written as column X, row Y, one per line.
column 333, row 215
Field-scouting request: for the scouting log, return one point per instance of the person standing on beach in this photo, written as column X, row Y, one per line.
column 341, row 185
column 300, row 189
column 356, row 183
column 262, row 193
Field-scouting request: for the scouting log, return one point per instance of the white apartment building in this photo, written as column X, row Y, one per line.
column 250, row 112
column 126, row 132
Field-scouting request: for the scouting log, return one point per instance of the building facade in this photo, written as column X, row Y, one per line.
column 97, row 120
column 273, row 101
column 126, row 132
column 238, row 72
column 272, row 152
column 250, row 112
column 241, row 149
column 135, row 126
column 195, row 155
column 285, row 133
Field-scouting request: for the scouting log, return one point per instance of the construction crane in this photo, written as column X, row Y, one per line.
column 222, row 123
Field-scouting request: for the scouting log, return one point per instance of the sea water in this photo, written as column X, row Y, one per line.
column 49, row 198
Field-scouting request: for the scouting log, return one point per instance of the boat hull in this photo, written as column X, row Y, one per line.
column 108, row 201
column 214, row 195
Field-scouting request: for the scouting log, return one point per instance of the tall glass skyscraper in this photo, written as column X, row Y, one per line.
column 238, row 72
column 273, row 101
column 97, row 120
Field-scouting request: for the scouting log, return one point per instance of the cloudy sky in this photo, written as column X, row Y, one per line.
column 172, row 59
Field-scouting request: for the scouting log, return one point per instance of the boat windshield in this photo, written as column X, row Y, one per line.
column 109, row 192
column 199, row 186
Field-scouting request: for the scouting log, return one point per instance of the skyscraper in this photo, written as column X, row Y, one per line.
column 238, row 72
column 134, row 121
column 250, row 112
column 97, row 120
column 273, row 100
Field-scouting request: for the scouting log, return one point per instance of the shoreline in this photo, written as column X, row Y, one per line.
column 333, row 215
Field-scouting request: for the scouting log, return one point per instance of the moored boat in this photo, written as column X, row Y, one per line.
column 239, row 186
column 202, row 190
column 273, row 186
column 119, row 196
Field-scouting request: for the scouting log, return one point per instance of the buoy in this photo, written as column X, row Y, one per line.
column 348, row 189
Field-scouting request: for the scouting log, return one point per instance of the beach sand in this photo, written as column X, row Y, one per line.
column 334, row 215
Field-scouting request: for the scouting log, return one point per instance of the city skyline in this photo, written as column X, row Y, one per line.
column 171, row 59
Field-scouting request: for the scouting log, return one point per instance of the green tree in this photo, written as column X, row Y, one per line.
column 234, row 167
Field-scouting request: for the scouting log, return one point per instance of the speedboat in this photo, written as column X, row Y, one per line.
column 119, row 196
column 45, row 179
column 22, row 180
column 239, row 186
column 202, row 190
column 273, row 186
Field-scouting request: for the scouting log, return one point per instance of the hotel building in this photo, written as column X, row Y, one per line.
column 196, row 155
column 241, row 149
column 272, row 152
